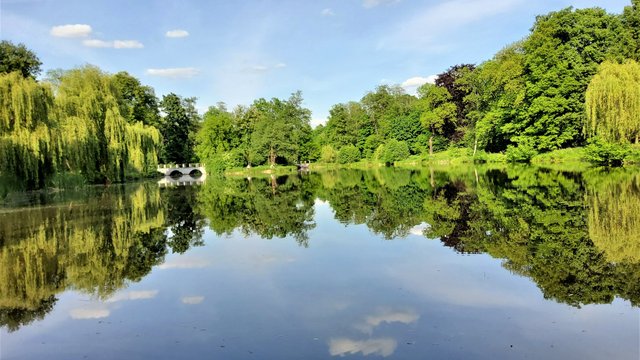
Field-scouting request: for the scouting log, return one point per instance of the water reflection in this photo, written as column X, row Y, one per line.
column 96, row 246
column 576, row 236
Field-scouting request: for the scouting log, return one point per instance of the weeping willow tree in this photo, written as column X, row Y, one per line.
column 613, row 102
column 93, row 129
column 27, row 132
column 614, row 216
column 143, row 142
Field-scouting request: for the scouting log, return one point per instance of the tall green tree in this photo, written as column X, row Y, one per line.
column 18, row 58
column 178, row 127
column 93, row 129
column 495, row 98
column 561, row 56
column 28, row 141
column 631, row 20
column 139, row 101
column 613, row 102
column 281, row 128
column 437, row 110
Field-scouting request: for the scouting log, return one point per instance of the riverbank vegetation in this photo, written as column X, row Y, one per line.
column 573, row 82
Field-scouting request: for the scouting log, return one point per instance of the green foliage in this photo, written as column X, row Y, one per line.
column 631, row 21
column 18, row 58
column 139, row 103
column 561, row 56
column 178, row 128
column 28, row 134
column 394, row 151
column 328, row 154
column 281, row 128
column 348, row 154
column 523, row 152
column 613, row 102
column 602, row 152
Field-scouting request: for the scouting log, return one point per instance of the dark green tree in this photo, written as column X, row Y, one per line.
column 178, row 128
column 139, row 101
column 18, row 58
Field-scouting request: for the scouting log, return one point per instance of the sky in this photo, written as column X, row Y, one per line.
column 334, row 51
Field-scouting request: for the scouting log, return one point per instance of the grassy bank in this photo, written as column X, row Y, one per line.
column 261, row 170
column 573, row 159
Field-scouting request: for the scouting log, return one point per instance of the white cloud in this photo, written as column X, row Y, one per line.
column 127, row 44
column 418, row 81
column 177, row 33
column 262, row 68
column 327, row 12
column 373, row 3
column 89, row 313
column 71, row 30
column 95, row 43
column 425, row 27
column 116, row 44
column 344, row 346
column 192, row 300
column 387, row 316
column 184, row 262
column 133, row 295
column 185, row 72
column 419, row 229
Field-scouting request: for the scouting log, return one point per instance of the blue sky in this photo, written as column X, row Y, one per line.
column 235, row 51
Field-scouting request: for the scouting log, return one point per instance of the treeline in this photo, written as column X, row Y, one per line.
column 85, row 124
column 266, row 132
column 573, row 81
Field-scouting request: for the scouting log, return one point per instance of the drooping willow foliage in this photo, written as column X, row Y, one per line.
column 27, row 139
column 613, row 102
column 82, row 130
column 93, row 130
column 142, row 147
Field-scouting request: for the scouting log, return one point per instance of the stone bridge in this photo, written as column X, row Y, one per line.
column 181, row 169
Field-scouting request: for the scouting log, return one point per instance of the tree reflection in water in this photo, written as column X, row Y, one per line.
column 576, row 235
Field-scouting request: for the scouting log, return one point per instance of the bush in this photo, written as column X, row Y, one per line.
column 371, row 144
column 521, row 153
column 223, row 161
column 348, row 154
column 328, row 154
column 606, row 153
column 394, row 151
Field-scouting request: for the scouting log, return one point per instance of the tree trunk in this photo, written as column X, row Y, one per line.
column 475, row 147
column 274, row 184
column 272, row 157
column 637, row 139
column 431, row 145
column 432, row 181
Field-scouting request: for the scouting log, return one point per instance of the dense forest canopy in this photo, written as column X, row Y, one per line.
column 573, row 80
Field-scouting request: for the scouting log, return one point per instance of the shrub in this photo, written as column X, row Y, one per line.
column 371, row 144
column 394, row 151
column 348, row 154
column 328, row 154
column 223, row 161
column 606, row 153
column 521, row 153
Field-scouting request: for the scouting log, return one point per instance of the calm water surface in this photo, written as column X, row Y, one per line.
column 473, row 263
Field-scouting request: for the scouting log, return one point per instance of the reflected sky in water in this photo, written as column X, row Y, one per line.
column 351, row 293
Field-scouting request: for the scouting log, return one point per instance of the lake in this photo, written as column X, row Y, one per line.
column 458, row 263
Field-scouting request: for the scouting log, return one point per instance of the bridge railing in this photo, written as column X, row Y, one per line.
column 180, row 166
